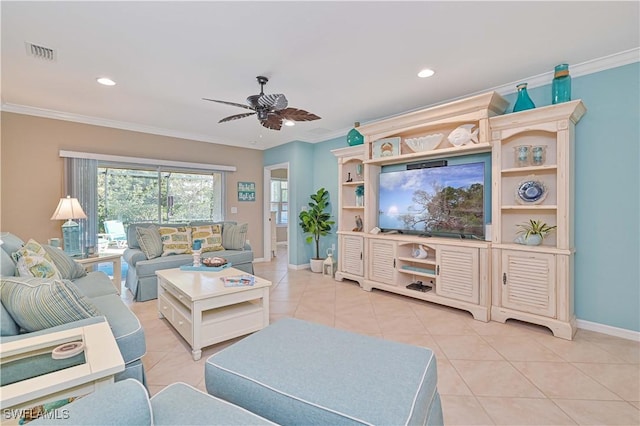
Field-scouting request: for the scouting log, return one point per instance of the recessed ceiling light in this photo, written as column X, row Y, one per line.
column 106, row 81
column 288, row 122
column 427, row 72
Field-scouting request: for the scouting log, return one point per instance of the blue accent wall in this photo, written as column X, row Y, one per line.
column 607, row 192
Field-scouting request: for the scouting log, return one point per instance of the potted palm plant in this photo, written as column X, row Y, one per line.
column 533, row 232
column 316, row 222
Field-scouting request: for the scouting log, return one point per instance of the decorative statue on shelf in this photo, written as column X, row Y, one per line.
column 349, row 178
column 358, row 227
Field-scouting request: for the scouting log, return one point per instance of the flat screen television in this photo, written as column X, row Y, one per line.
column 446, row 201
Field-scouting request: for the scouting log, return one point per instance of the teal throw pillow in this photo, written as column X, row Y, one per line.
column 69, row 269
column 40, row 303
column 149, row 241
column 234, row 236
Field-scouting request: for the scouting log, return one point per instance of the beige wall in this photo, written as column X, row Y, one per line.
column 32, row 170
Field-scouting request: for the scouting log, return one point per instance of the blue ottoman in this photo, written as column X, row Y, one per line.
column 295, row 372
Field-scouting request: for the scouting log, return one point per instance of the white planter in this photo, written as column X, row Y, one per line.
column 316, row 265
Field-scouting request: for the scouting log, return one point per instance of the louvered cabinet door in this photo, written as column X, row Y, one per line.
column 457, row 273
column 352, row 255
column 528, row 282
column 382, row 259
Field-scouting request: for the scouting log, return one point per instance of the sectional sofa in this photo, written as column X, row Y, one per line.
column 98, row 289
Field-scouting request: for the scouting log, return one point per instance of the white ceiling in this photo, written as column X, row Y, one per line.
column 344, row 61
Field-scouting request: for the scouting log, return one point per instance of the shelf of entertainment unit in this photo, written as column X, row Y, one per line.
column 529, row 169
column 353, row 183
column 530, row 207
column 353, row 207
column 433, row 154
column 414, row 260
column 420, row 272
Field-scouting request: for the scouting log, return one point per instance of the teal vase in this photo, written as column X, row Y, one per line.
column 561, row 85
column 354, row 137
column 523, row 102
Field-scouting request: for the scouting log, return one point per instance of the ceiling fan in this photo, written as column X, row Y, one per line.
column 271, row 109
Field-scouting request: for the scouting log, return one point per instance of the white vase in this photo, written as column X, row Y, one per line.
column 531, row 240
column 316, row 265
column 420, row 253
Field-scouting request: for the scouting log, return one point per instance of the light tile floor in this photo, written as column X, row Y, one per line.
column 488, row 373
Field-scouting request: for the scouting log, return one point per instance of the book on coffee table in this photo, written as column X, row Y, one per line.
column 238, row 281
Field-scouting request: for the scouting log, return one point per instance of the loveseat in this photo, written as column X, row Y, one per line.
column 141, row 274
column 93, row 291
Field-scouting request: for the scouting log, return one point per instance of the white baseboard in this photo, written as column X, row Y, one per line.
column 607, row 329
column 299, row 267
column 259, row 259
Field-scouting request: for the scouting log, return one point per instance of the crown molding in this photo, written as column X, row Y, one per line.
column 103, row 122
column 589, row 67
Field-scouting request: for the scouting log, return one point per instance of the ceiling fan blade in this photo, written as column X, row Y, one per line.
column 228, row 103
column 235, row 117
column 273, row 122
column 296, row 114
column 277, row 102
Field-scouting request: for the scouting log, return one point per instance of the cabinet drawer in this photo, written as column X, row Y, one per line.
column 177, row 315
column 176, row 293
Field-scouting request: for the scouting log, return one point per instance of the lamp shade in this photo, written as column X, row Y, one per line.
column 68, row 208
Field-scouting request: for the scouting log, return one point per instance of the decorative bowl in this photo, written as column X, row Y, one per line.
column 424, row 143
column 214, row 262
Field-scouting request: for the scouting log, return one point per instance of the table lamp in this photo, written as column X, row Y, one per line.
column 69, row 208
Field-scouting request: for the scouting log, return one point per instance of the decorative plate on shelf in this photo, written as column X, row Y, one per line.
column 531, row 191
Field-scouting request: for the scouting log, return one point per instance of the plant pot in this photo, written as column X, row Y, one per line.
column 316, row 265
column 531, row 240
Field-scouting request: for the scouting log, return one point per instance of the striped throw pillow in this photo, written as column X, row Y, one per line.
column 69, row 269
column 40, row 303
column 210, row 235
column 175, row 240
column 149, row 241
column 234, row 236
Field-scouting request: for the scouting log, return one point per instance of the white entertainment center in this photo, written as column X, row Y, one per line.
column 495, row 278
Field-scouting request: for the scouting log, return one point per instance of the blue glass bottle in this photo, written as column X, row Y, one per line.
column 354, row 137
column 561, row 85
column 524, row 101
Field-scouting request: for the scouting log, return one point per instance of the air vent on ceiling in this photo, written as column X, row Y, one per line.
column 41, row 52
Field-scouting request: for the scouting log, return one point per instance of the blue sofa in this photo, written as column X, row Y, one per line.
column 141, row 274
column 127, row 403
column 99, row 289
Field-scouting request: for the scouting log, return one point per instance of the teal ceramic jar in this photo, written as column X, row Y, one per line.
column 523, row 101
column 354, row 137
column 561, row 85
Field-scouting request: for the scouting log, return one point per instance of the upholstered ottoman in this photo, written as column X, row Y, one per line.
column 295, row 372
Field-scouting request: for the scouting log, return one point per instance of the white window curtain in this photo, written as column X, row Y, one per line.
column 81, row 182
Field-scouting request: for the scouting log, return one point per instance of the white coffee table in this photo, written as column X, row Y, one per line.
column 205, row 312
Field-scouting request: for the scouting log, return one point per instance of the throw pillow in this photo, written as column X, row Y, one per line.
column 175, row 240
column 69, row 269
column 210, row 235
column 40, row 303
column 32, row 260
column 149, row 241
column 234, row 236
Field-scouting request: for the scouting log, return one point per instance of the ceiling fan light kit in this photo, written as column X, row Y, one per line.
column 272, row 110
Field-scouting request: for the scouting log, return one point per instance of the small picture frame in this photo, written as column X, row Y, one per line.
column 388, row 147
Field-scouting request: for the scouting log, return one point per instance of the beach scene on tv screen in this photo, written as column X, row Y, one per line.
column 440, row 200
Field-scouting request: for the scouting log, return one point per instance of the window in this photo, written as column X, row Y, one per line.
column 280, row 201
column 131, row 194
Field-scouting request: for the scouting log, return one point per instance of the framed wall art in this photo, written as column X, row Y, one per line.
column 246, row 191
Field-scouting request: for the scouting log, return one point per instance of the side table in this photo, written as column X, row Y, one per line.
column 102, row 361
column 115, row 259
